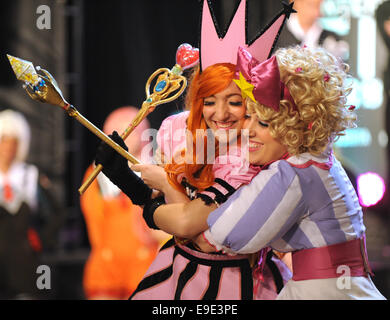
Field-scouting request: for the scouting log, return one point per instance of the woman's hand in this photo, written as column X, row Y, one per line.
column 154, row 176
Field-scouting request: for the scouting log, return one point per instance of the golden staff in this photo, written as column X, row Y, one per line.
column 44, row 88
column 168, row 81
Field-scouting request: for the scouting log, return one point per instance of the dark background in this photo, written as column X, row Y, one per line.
column 101, row 53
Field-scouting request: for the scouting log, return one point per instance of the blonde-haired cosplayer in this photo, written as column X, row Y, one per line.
column 318, row 115
column 302, row 200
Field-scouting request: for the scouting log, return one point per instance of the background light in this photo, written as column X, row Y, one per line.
column 371, row 188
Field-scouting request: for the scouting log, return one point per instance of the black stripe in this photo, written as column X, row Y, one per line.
column 215, row 278
column 275, row 272
column 184, row 277
column 224, row 184
column 246, row 282
column 206, row 199
column 168, row 244
column 215, row 191
column 155, row 278
column 212, row 263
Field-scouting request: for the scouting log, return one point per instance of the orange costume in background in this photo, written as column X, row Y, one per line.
column 122, row 248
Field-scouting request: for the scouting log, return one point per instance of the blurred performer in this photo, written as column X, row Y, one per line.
column 25, row 211
column 122, row 246
column 303, row 28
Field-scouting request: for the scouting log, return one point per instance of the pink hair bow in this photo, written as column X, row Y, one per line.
column 265, row 79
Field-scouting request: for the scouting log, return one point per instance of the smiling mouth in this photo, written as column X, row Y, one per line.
column 224, row 125
column 254, row 146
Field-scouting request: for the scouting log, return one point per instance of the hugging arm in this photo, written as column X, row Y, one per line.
column 259, row 213
column 185, row 220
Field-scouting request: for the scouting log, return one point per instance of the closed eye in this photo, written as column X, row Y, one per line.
column 263, row 124
column 236, row 103
column 208, row 103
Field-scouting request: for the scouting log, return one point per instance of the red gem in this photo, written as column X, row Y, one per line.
column 187, row 56
column 352, row 107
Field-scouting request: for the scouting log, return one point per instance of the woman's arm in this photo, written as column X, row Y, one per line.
column 185, row 220
column 258, row 213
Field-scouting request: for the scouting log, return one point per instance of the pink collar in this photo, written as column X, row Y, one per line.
column 305, row 160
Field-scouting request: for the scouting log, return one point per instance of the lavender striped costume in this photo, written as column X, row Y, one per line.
column 299, row 203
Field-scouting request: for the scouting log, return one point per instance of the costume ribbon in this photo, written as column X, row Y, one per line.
column 261, row 81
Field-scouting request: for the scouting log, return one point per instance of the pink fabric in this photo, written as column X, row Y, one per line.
column 230, row 281
column 323, row 262
column 195, row 288
column 171, row 137
column 233, row 169
column 265, row 77
column 164, row 290
column 164, row 261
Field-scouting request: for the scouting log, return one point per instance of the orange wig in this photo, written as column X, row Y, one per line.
column 203, row 84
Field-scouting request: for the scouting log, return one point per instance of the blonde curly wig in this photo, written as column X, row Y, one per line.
column 317, row 82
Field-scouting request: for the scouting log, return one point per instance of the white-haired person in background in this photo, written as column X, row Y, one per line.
column 23, row 217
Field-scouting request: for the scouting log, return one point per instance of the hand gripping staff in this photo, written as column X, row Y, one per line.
column 170, row 84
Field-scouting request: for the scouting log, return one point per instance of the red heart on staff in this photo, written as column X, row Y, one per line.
column 187, row 56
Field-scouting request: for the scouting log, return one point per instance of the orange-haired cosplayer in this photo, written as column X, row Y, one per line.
column 214, row 79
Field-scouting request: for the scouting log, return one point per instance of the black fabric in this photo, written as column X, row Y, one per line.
column 115, row 167
column 190, row 189
column 149, row 209
column 275, row 272
column 224, row 184
column 157, row 277
column 216, row 270
column 215, row 277
column 219, row 196
column 246, row 281
column 184, row 277
column 206, row 199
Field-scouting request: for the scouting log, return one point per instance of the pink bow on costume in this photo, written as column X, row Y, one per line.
column 265, row 79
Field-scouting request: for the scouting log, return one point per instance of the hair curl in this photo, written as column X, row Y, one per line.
column 317, row 82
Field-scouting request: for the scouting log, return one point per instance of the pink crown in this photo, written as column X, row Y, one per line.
column 216, row 48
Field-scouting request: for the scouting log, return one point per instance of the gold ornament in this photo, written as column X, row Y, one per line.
column 170, row 85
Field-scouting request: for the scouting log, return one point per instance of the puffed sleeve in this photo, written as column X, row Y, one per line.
column 171, row 138
column 258, row 213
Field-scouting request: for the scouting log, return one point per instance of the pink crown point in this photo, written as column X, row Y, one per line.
column 216, row 48
column 262, row 47
column 187, row 56
column 221, row 50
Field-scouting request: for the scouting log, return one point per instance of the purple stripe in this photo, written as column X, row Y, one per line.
column 318, row 200
column 262, row 208
column 214, row 216
column 354, row 211
column 297, row 239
